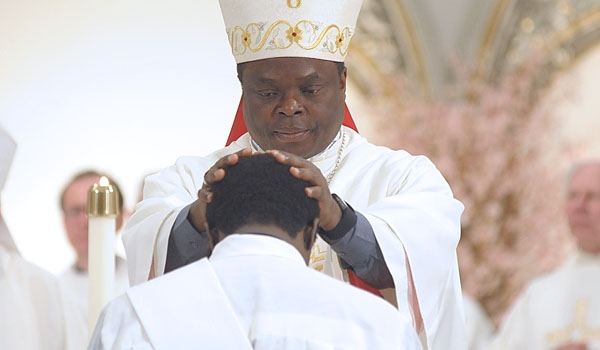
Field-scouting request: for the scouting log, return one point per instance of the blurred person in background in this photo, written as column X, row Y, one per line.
column 561, row 310
column 479, row 326
column 35, row 312
column 73, row 205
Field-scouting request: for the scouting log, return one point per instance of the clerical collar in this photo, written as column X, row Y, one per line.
column 584, row 258
column 255, row 147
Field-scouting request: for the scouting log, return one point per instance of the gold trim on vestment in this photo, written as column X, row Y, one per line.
column 578, row 330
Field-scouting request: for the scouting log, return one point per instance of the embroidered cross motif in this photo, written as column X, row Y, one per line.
column 578, row 330
column 317, row 254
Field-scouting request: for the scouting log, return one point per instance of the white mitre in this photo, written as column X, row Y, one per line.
column 8, row 147
column 259, row 29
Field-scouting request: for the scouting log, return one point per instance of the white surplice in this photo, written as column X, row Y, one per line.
column 557, row 308
column 405, row 198
column 77, row 283
column 256, row 292
column 35, row 312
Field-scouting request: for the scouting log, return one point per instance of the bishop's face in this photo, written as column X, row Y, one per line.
column 293, row 104
column 583, row 207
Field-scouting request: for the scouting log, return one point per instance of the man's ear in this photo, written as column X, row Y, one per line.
column 343, row 79
column 310, row 233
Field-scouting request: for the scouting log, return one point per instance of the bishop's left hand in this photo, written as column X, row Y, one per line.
column 331, row 213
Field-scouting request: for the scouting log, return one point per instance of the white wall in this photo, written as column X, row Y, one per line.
column 123, row 86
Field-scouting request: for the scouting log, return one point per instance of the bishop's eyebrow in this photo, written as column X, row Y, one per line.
column 307, row 79
column 264, row 80
column 311, row 78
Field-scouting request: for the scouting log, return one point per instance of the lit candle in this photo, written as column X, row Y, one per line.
column 102, row 210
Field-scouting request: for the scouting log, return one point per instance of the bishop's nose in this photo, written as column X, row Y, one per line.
column 290, row 105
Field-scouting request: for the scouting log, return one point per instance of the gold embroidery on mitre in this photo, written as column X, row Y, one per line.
column 294, row 34
column 294, row 4
column 281, row 35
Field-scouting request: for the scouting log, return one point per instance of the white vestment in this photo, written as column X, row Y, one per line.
column 405, row 198
column 35, row 312
column 560, row 307
column 77, row 283
column 479, row 327
column 255, row 292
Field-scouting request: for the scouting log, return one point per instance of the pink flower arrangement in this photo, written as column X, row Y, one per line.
column 495, row 144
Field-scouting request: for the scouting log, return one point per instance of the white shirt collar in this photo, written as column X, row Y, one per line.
column 255, row 244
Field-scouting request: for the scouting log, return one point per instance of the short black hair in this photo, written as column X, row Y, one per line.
column 259, row 189
column 341, row 67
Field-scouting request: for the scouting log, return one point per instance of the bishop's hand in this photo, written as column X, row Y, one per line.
column 331, row 213
column 197, row 214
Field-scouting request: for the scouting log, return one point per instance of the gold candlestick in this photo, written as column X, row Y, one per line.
column 102, row 210
column 103, row 199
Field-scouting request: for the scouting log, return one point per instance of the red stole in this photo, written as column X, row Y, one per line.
column 239, row 128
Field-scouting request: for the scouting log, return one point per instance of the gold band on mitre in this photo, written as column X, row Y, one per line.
column 259, row 29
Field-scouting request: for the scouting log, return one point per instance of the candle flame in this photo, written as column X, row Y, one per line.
column 104, row 181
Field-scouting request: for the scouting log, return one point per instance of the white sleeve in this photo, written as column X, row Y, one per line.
column 146, row 234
